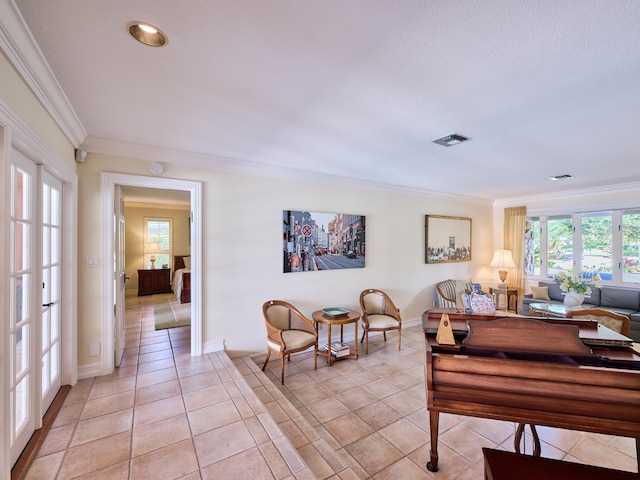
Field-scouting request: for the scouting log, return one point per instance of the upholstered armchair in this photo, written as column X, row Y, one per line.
column 379, row 314
column 288, row 331
column 615, row 321
column 449, row 290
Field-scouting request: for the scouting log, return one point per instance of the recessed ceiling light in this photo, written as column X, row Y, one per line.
column 147, row 34
column 560, row 177
column 451, row 140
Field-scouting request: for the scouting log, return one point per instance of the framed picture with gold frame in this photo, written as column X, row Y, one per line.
column 447, row 239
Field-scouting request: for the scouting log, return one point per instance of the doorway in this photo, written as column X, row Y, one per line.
column 109, row 182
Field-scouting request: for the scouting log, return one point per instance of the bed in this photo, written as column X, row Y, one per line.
column 181, row 285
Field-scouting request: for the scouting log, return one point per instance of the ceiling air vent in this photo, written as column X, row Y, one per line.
column 560, row 177
column 451, row 140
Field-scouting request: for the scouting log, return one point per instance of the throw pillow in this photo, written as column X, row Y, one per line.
column 540, row 293
column 187, row 262
column 482, row 304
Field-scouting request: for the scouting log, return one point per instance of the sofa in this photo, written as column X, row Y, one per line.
column 617, row 299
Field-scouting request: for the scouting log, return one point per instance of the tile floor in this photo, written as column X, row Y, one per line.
column 167, row 415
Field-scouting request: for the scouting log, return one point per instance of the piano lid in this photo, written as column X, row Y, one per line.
column 526, row 335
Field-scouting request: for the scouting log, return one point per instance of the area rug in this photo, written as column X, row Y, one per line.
column 168, row 313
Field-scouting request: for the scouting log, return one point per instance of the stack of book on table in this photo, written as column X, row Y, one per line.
column 338, row 349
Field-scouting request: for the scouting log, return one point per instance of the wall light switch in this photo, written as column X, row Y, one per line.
column 93, row 261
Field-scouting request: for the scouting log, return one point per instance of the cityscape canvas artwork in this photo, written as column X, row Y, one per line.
column 314, row 241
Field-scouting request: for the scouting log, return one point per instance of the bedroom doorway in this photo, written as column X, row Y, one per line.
column 167, row 187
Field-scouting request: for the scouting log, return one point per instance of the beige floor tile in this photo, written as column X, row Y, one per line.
column 160, row 434
column 213, row 416
column 68, row 414
column 206, row 396
column 45, row 467
column 348, row 428
column 119, row 471
column 327, row 409
column 591, row 452
column 103, row 389
column 157, row 392
column 224, row 442
column 96, row 455
column 159, row 410
column 405, row 436
column 200, row 380
column 316, row 462
column 404, row 468
column 374, row 453
column 155, row 377
column 57, row 439
column 172, row 462
column 466, row 442
column 249, row 464
column 102, row 426
column 155, row 347
column 378, row 415
column 108, row 404
column 403, row 403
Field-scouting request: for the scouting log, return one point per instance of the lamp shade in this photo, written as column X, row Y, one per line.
column 153, row 247
column 502, row 259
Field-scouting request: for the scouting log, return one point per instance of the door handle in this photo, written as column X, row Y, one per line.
column 48, row 304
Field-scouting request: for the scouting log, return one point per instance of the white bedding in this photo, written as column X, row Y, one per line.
column 177, row 283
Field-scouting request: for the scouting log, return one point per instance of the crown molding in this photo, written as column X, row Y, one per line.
column 23, row 52
column 118, row 148
column 583, row 198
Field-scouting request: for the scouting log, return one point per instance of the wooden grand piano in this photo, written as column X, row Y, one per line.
column 560, row 373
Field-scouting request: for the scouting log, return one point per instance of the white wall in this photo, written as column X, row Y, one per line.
column 242, row 248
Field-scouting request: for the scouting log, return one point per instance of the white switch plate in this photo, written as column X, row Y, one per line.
column 93, row 261
column 94, row 349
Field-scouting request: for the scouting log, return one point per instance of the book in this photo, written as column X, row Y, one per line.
column 338, row 349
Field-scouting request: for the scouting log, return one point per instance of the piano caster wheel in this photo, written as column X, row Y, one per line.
column 431, row 468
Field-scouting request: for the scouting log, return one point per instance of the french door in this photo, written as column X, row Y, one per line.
column 34, row 284
column 50, row 351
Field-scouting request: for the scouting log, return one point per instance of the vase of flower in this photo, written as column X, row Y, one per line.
column 575, row 288
column 573, row 299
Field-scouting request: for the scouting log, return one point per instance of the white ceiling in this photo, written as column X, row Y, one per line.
column 360, row 88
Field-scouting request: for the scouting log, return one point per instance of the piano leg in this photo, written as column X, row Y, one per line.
column 434, row 420
column 518, row 438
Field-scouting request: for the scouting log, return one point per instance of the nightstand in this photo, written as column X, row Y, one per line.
column 154, row 281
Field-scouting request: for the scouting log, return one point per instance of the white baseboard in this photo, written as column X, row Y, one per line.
column 90, row 370
column 214, row 346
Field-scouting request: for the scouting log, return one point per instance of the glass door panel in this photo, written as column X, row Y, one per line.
column 22, row 298
column 51, row 279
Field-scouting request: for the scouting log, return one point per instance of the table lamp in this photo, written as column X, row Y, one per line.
column 153, row 248
column 502, row 259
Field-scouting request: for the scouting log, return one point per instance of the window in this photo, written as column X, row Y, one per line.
column 631, row 245
column 596, row 245
column 604, row 244
column 157, row 242
column 559, row 244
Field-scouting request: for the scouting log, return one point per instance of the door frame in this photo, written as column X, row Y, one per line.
column 108, row 183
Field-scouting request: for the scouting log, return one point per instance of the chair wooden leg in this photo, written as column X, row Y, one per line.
column 399, row 338
column 384, row 334
column 315, row 357
column 266, row 360
column 364, row 330
column 282, row 368
column 366, row 344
